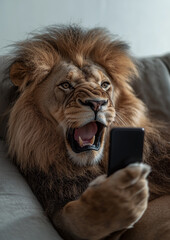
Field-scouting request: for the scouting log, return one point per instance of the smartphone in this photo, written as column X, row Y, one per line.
column 126, row 147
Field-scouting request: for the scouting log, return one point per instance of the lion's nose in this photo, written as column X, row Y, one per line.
column 95, row 105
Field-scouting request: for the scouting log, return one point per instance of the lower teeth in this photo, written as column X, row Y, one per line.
column 86, row 143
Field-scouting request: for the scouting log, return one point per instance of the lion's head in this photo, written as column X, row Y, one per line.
column 74, row 84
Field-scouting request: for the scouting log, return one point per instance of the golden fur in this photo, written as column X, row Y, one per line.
column 46, row 109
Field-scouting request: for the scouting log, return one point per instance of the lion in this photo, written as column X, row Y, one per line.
column 74, row 86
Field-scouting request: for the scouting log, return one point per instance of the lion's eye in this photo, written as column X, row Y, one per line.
column 105, row 85
column 65, row 85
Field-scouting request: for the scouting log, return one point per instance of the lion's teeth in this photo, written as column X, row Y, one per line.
column 92, row 140
column 86, row 143
column 80, row 142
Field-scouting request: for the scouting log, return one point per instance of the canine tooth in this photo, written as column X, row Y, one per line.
column 80, row 142
column 92, row 140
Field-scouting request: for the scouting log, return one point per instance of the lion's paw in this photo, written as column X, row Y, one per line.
column 132, row 188
column 120, row 199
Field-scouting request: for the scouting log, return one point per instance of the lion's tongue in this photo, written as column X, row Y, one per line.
column 86, row 134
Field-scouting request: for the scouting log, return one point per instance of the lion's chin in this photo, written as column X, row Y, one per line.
column 86, row 158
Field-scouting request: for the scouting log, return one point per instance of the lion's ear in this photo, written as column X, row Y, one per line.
column 18, row 74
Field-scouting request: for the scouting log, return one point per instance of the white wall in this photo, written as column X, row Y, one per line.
column 144, row 24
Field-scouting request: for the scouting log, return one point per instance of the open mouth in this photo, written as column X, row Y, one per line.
column 86, row 138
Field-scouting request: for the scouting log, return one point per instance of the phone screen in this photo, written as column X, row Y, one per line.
column 126, row 147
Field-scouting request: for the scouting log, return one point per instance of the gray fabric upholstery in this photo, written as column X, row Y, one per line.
column 153, row 86
column 21, row 216
column 7, row 90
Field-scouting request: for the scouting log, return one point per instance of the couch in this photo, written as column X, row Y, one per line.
column 21, row 215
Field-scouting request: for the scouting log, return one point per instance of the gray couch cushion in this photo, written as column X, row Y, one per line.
column 153, row 86
column 21, row 216
column 7, row 91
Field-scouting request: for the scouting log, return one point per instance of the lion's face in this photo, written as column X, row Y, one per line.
column 81, row 103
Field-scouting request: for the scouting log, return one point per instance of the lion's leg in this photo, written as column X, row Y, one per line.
column 155, row 223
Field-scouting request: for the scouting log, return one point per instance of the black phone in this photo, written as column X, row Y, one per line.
column 126, row 147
